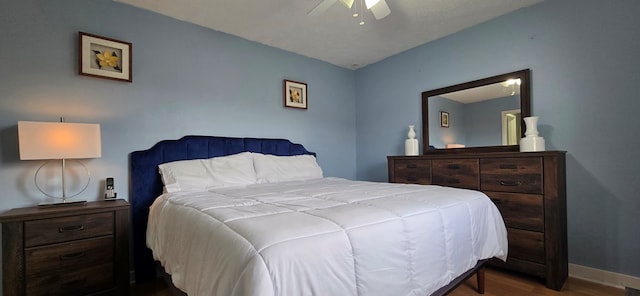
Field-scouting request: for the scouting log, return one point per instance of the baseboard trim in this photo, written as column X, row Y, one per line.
column 604, row 277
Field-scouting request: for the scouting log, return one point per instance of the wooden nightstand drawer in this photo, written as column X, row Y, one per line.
column 413, row 171
column 62, row 229
column 66, row 250
column 526, row 245
column 511, row 175
column 461, row 173
column 73, row 282
column 68, row 256
column 524, row 211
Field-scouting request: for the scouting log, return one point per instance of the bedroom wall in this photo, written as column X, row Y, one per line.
column 483, row 120
column 186, row 80
column 583, row 56
column 441, row 136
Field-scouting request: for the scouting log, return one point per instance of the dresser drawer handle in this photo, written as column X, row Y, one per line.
column 510, row 183
column 412, row 166
column 453, row 167
column 453, row 181
column 508, row 166
column 64, row 229
column 72, row 256
column 412, row 178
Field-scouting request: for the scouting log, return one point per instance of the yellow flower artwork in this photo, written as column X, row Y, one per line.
column 107, row 59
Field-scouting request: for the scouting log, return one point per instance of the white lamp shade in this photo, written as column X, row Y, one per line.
column 58, row 140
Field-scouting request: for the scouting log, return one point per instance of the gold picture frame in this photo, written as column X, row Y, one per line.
column 104, row 57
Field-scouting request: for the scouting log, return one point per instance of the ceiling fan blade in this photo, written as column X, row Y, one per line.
column 380, row 10
column 321, row 7
column 347, row 3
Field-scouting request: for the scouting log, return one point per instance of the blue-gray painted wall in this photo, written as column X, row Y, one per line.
column 191, row 80
column 186, row 80
column 483, row 121
column 585, row 67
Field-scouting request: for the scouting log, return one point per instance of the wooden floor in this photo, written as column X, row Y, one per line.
column 498, row 283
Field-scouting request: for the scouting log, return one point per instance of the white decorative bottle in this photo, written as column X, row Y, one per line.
column 411, row 144
column 531, row 141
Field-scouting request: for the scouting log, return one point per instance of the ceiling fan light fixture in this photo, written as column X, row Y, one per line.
column 370, row 3
column 347, row 3
column 511, row 82
column 380, row 10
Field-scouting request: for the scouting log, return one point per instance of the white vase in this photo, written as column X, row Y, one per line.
column 531, row 141
column 411, row 144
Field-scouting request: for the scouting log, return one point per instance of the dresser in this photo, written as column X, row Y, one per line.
column 66, row 250
column 527, row 187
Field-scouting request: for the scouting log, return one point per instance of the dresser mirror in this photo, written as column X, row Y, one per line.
column 483, row 115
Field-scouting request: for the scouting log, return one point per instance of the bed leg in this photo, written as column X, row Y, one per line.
column 480, row 278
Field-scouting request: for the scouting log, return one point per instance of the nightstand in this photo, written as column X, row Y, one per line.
column 66, row 250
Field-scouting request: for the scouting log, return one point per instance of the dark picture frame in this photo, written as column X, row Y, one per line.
column 444, row 119
column 104, row 57
column 295, row 94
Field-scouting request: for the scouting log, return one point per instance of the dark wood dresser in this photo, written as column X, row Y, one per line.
column 527, row 187
column 66, row 250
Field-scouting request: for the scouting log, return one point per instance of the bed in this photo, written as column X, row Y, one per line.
column 346, row 237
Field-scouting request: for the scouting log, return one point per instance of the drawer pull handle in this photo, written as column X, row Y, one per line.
column 64, row 229
column 510, row 183
column 508, row 166
column 72, row 256
column 453, row 181
column 412, row 178
column 412, row 165
column 453, row 167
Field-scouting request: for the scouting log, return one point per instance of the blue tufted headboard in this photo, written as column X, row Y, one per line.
column 146, row 184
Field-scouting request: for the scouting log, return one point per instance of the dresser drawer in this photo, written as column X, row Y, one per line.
column 72, row 282
column 67, row 256
column 523, row 211
column 522, row 175
column 55, row 230
column 412, row 171
column 461, row 173
column 526, row 245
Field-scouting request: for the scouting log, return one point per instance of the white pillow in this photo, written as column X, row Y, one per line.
column 272, row 168
column 232, row 170
column 205, row 174
column 185, row 175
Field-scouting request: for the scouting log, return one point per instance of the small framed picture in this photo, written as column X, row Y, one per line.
column 295, row 94
column 105, row 57
column 444, row 119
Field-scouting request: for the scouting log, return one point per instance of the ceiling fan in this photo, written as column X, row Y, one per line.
column 379, row 8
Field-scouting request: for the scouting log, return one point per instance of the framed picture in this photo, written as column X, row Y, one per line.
column 105, row 57
column 295, row 94
column 444, row 119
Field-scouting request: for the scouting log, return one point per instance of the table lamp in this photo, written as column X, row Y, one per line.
column 59, row 141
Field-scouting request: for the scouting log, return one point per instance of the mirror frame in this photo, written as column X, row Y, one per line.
column 525, row 110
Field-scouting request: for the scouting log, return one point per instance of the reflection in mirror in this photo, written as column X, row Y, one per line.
column 485, row 112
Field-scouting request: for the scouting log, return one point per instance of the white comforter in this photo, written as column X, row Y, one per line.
column 324, row 236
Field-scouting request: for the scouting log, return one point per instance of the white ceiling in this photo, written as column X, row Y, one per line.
column 335, row 36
